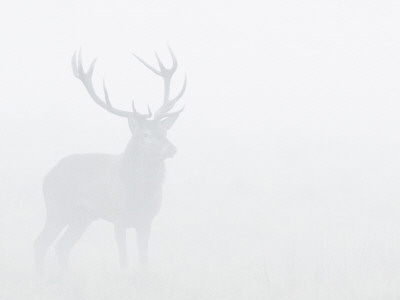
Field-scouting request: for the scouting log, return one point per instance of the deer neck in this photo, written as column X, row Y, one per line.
column 138, row 168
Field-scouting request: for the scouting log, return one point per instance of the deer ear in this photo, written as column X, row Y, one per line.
column 168, row 121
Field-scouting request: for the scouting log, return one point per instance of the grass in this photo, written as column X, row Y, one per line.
column 277, row 250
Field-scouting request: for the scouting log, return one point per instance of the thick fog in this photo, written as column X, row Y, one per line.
column 285, row 184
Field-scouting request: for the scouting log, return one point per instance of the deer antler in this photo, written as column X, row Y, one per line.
column 166, row 75
column 86, row 78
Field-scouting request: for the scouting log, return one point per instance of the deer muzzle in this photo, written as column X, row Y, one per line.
column 170, row 150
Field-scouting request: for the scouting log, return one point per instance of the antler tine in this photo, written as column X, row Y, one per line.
column 106, row 94
column 163, row 72
column 177, row 97
column 174, row 60
column 175, row 113
column 166, row 74
column 147, row 65
column 139, row 115
column 86, row 79
column 73, row 64
column 169, row 104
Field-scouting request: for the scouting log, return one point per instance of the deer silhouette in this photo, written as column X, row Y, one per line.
column 125, row 189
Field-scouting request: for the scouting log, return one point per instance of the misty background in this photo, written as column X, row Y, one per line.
column 285, row 185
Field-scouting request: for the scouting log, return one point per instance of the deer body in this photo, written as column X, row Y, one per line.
column 124, row 189
column 97, row 184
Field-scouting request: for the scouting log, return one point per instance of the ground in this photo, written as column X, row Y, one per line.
column 279, row 249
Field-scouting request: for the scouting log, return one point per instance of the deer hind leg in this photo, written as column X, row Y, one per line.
column 76, row 227
column 52, row 228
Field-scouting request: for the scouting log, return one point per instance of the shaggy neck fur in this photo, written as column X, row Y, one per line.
column 140, row 170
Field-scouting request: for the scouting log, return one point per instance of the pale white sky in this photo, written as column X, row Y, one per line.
column 298, row 86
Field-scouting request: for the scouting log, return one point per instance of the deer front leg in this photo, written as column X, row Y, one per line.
column 142, row 235
column 120, row 236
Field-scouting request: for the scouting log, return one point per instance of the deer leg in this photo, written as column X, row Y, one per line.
column 142, row 235
column 120, row 236
column 75, row 230
column 52, row 228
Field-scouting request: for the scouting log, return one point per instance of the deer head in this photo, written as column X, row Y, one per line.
column 149, row 132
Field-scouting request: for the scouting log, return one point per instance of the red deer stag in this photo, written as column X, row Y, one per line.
column 124, row 189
